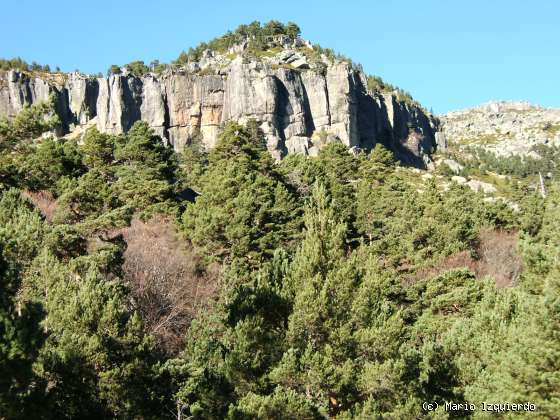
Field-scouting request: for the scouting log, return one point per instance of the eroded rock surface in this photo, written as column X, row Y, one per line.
column 297, row 108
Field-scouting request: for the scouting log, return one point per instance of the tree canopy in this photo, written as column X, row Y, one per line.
column 344, row 285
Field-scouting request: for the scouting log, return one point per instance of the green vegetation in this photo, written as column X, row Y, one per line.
column 482, row 140
column 30, row 123
column 481, row 161
column 113, row 69
column 332, row 287
column 261, row 40
column 283, row 66
column 259, row 37
column 20, row 64
column 138, row 68
column 376, row 84
column 487, row 139
column 551, row 129
column 245, row 211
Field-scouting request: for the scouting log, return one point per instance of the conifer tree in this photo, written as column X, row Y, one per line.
column 20, row 340
column 96, row 357
column 146, row 169
column 244, row 210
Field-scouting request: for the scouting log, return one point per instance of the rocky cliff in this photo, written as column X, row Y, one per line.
column 299, row 107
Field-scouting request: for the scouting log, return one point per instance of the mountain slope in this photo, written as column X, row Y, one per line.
column 504, row 128
column 500, row 147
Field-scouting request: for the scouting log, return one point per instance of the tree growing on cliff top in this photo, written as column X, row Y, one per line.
column 19, row 64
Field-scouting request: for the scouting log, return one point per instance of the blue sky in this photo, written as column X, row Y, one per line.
column 448, row 54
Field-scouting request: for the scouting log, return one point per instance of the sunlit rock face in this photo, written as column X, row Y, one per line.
column 299, row 108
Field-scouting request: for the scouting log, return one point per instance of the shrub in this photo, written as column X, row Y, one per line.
column 497, row 257
column 20, row 64
column 167, row 280
column 114, row 69
column 137, row 68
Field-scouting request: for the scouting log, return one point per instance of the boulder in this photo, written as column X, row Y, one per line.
column 459, row 180
column 485, row 187
column 453, row 165
column 300, row 63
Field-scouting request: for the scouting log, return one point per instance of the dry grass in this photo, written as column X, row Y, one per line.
column 44, row 202
column 168, row 281
column 498, row 258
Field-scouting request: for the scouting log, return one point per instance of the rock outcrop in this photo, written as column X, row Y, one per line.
column 297, row 108
column 504, row 128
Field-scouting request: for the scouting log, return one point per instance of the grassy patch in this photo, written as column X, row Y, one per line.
column 503, row 185
column 283, row 66
column 487, row 139
column 207, row 71
column 551, row 129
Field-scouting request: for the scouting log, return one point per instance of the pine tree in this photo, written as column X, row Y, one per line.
column 41, row 167
column 96, row 357
column 244, row 210
column 29, row 124
column 343, row 320
column 20, row 340
column 98, row 149
column 146, row 169
column 21, row 234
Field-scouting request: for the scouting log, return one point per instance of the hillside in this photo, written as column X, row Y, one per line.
column 504, row 128
column 498, row 146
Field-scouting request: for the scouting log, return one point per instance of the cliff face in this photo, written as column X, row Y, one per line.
column 298, row 109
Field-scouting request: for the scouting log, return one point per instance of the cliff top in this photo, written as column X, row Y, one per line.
column 273, row 43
